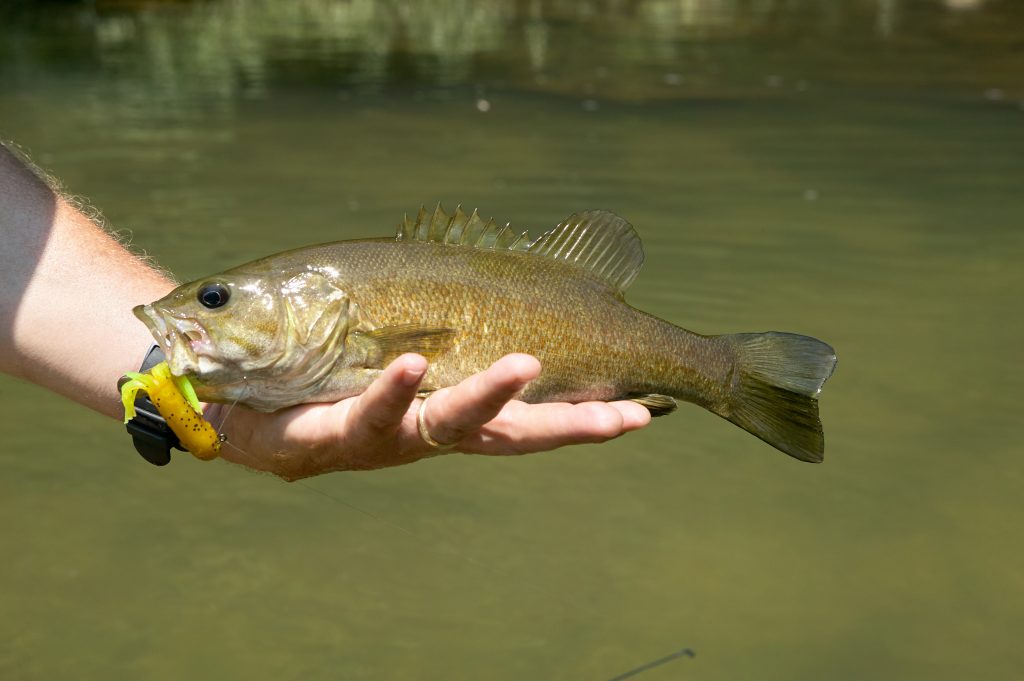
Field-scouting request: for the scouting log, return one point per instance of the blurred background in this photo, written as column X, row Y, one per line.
column 849, row 170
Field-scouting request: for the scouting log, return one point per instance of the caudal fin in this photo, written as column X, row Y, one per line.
column 775, row 390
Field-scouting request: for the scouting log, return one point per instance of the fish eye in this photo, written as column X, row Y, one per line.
column 213, row 294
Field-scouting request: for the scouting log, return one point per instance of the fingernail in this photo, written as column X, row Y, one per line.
column 412, row 376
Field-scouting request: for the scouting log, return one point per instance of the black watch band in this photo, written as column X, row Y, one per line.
column 153, row 438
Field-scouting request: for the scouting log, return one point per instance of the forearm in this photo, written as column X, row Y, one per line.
column 67, row 289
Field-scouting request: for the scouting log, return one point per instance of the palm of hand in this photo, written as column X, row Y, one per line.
column 379, row 428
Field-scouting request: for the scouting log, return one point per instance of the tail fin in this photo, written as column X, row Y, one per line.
column 775, row 390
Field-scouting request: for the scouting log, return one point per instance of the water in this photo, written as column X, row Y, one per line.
column 851, row 171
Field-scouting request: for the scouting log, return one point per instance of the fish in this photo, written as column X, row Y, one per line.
column 319, row 323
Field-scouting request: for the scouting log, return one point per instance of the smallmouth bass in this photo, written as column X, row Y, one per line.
column 319, row 323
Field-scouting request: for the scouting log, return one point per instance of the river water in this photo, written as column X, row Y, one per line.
column 852, row 171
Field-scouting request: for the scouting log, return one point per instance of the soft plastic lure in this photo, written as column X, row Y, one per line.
column 175, row 399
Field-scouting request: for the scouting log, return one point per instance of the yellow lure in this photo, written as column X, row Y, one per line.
column 175, row 399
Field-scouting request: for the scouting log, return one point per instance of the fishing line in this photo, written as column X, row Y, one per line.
column 685, row 652
column 224, row 419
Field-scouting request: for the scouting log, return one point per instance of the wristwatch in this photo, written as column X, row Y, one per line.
column 152, row 437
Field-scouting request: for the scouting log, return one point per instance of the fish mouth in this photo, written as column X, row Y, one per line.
column 183, row 341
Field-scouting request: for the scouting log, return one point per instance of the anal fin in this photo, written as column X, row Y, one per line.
column 658, row 405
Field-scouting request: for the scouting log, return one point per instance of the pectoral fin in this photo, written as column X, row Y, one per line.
column 388, row 342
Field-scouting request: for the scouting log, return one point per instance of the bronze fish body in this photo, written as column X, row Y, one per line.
column 320, row 323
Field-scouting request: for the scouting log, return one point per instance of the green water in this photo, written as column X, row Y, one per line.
column 853, row 171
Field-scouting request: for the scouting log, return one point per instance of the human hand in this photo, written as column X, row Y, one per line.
column 379, row 428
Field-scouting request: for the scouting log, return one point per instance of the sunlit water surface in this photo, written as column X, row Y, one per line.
column 854, row 174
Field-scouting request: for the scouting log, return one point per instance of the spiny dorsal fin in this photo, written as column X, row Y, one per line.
column 461, row 230
column 596, row 240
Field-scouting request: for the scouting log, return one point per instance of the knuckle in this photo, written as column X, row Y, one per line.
column 604, row 423
column 383, row 420
column 447, row 434
column 381, row 415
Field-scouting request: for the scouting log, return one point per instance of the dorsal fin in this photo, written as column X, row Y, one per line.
column 595, row 240
column 598, row 241
column 462, row 230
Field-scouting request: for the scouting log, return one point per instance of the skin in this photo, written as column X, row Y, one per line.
column 59, row 271
column 378, row 428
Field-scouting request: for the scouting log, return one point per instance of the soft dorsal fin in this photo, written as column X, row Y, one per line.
column 598, row 241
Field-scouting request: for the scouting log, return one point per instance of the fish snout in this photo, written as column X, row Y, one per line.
column 183, row 340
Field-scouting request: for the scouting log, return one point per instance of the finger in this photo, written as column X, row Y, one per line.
column 454, row 413
column 379, row 411
column 634, row 416
column 522, row 428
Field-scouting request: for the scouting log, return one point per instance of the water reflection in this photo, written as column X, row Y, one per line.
column 171, row 56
